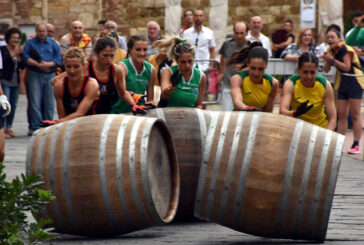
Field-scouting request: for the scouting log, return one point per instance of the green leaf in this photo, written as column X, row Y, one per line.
column 16, row 198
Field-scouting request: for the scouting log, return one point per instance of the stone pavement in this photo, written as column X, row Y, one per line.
column 346, row 225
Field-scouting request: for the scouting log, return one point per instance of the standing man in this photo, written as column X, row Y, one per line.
column 228, row 48
column 282, row 38
column 101, row 26
column 51, row 31
column 355, row 20
column 42, row 56
column 356, row 39
column 77, row 38
column 255, row 35
column 112, row 26
column 153, row 29
column 188, row 19
column 203, row 39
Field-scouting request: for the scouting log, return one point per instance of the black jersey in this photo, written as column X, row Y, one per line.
column 108, row 92
column 72, row 101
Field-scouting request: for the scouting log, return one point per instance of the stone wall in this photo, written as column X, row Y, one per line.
column 132, row 15
column 273, row 12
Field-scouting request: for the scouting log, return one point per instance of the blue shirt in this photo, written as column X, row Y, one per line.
column 48, row 51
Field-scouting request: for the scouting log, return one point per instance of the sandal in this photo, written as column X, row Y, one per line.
column 11, row 133
column 7, row 136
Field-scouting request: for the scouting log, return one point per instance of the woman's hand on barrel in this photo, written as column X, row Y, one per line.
column 139, row 109
column 151, row 105
column 136, row 97
column 46, row 123
column 250, row 108
column 302, row 109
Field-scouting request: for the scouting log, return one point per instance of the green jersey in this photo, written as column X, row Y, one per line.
column 135, row 81
column 186, row 92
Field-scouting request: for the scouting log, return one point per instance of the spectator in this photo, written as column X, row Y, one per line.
column 3, row 28
column 77, row 38
column 214, row 85
column 282, row 38
column 324, row 46
column 51, row 31
column 356, row 39
column 42, row 56
column 159, row 62
column 305, row 43
column 101, row 25
column 11, row 55
column 228, row 48
column 255, row 34
column 153, row 29
column 355, row 20
column 112, row 26
column 5, row 109
column 350, row 85
column 188, row 19
column 203, row 39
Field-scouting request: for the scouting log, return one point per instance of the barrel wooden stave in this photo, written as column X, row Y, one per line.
column 89, row 184
column 188, row 136
column 257, row 193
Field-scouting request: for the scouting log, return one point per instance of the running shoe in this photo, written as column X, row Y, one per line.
column 354, row 150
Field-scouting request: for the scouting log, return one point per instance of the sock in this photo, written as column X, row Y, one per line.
column 356, row 142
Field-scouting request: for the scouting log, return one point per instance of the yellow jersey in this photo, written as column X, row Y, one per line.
column 255, row 94
column 119, row 55
column 316, row 96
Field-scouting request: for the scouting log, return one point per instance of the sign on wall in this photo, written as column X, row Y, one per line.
column 308, row 14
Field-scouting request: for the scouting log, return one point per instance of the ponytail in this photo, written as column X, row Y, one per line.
column 174, row 46
column 243, row 56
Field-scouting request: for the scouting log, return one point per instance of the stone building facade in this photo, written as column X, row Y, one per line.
column 132, row 15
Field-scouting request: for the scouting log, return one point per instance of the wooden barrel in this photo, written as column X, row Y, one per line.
column 111, row 174
column 189, row 129
column 268, row 175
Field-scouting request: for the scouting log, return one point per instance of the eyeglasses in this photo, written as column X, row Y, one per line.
column 196, row 43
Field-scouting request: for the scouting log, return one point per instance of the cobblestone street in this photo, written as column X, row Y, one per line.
column 346, row 225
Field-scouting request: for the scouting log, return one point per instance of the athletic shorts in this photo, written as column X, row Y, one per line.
column 354, row 94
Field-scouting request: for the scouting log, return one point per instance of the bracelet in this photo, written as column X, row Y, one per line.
column 332, row 61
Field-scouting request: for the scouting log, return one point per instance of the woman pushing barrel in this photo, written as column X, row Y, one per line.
column 309, row 96
column 182, row 85
column 252, row 89
column 75, row 93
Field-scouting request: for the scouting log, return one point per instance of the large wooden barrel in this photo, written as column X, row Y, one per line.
column 111, row 174
column 189, row 129
column 268, row 175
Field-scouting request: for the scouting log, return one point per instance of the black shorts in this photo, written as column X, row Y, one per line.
column 353, row 94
